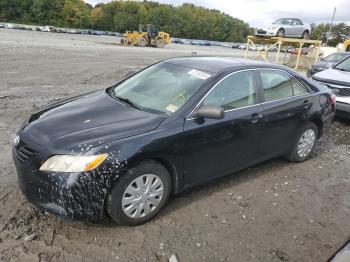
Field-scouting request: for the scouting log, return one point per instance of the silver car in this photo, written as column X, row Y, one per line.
column 337, row 78
column 286, row 27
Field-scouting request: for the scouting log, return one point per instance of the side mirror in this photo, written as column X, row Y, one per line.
column 213, row 112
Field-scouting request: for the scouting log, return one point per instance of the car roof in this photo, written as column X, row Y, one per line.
column 218, row 64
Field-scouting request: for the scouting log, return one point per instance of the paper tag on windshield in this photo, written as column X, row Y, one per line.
column 172, row 108
column 199, row 74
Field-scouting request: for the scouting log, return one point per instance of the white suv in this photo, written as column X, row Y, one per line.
column 337, row 78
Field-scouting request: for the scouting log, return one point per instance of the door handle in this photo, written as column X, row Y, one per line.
column 254, row 118
column 306, row 104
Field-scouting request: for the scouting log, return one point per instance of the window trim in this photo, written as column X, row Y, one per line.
column 262, row 87
column 222, row 79
column 259, row 90
column 255, row 89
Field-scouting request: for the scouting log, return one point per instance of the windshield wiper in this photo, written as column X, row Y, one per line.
column 342, row 69
column 127, row 101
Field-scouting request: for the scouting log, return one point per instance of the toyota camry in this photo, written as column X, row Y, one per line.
column 123, row 151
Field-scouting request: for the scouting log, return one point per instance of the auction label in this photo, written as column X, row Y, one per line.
column 199, row 74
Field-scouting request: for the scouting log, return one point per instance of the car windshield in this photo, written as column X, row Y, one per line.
column 344, row 66
column 283, row 21
column 162, row 88
column 336, row 57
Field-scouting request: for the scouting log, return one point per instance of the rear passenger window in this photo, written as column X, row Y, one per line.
column 235, row 91
column 279, row 85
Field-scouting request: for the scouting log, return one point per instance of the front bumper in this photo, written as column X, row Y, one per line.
column 343, row 106
column 78, row 196
column 343, row 109
column 265, row 32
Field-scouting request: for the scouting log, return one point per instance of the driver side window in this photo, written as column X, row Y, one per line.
column 235, row 91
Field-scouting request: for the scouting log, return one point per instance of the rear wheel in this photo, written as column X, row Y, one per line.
column 305, row 143
column 142, row 42
column 140, row 194
column 305, row 35
column 280, row 32
column 160, row 43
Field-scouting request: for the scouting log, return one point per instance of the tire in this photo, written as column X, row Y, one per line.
column 142, row 42
column 132, row 41
column 305, row 35
column 281, row 32
column 160, row 43
column 297, row 154
column 119, row 207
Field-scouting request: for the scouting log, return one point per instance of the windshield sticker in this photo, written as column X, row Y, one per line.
column 172, row 108
column 199, row 74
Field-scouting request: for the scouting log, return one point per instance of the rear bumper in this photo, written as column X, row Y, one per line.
column 327, row 123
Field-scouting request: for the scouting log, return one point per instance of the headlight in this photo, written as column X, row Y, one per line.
column 69, row 163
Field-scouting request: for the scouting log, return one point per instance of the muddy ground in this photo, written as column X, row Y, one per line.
column 277, row 211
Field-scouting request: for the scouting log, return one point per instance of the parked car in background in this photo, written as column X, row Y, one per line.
column 295, row 51
column 182, row 122
column 327, row 62
column 235, row 45
column 43, row 28
column 337, row 78
column 260, row 47
column 286, row 27
column 2, row 25
column 242, row 46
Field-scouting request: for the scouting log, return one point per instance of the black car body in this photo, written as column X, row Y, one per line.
column 193, row 150
column 327, row 62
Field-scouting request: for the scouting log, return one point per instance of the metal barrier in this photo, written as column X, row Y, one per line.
column 279, row 42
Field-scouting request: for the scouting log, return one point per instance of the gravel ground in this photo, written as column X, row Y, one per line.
column 277, row 211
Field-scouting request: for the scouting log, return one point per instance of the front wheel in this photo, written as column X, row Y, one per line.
column 142, row 42
column 160, row 43
column 280, row 32
column 140, row 194
column 305, row 35
column 305, row 143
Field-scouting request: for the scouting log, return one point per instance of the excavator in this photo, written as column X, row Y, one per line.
column 148, row 35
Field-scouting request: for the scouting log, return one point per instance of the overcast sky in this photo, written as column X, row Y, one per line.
column 262, row 12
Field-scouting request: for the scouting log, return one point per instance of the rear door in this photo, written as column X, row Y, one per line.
column 286, row 103
column 216, row 147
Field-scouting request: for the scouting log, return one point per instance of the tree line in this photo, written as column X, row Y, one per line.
column 332, row 34
column 185, row 21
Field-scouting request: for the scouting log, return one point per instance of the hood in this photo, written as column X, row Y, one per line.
column 323, row 64
column 86, row 121
column 333, row 76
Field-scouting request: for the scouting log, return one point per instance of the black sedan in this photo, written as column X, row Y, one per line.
column 327, row 62
column 125, row 150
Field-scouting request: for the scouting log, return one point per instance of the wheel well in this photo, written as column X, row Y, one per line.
column 306, row 31
column 318, row 122
column 172, row 171
column 168, row 166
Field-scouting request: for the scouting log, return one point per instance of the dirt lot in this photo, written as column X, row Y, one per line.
column 277, row 211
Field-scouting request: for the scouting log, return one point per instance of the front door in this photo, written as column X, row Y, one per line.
column 217, row 147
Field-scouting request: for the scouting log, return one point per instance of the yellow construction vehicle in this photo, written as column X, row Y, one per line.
column 148, row 35
column 346, row 45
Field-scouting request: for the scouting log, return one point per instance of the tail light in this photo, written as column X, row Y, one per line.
column 333, row 99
